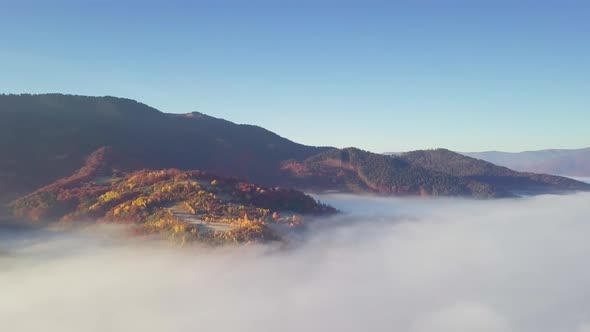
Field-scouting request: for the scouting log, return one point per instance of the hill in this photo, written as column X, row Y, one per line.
column 47, row 137
column 424, row 172
column 574, row 162
column 185, row 205
column 501, row 178
column 354, row 170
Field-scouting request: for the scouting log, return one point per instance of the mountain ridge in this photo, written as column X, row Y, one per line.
column 182, row 205
column 501, row 177
column 48, row 137
column 423, row 172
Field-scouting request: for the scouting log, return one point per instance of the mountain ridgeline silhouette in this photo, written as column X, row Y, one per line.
column 47, row 137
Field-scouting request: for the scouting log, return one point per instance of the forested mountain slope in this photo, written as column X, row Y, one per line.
column 356, row 170
column 502, row 178
column 184, row 205
column 47, row 137
column 424, row 172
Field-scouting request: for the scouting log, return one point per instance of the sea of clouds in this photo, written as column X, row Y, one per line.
column 384, row 264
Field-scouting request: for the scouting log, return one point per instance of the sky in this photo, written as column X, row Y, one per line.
column 379, row 75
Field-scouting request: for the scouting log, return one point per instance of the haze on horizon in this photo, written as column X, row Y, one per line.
column 382, row 76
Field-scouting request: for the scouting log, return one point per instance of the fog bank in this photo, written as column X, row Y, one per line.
column 410, row 265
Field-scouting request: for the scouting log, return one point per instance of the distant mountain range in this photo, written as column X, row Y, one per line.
column 573, row 162
column 47, row 137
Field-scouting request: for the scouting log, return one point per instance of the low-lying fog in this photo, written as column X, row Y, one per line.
column 408, row 265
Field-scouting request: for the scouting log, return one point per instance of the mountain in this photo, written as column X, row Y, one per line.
column 501, row 178
column 425, row 172
column 47, row 137
column 184, row 205
column 44, row 138
column 575, row 162
column 354, row 170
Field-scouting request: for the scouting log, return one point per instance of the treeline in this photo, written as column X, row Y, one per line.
column 358, row 170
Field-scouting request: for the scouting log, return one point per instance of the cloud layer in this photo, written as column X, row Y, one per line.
column 409, row 265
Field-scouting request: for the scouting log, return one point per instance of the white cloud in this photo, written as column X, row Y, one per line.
column 386, row 265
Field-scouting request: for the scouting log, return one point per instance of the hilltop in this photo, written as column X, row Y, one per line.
column 44, row 138
column 437, row 172
column 501, row 178
column 355, row 170
column 185, row 205
column 47, row 137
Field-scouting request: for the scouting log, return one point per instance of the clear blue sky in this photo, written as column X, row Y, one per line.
column 383, row 76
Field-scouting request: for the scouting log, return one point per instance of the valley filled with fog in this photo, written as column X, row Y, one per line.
column 384, row 264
